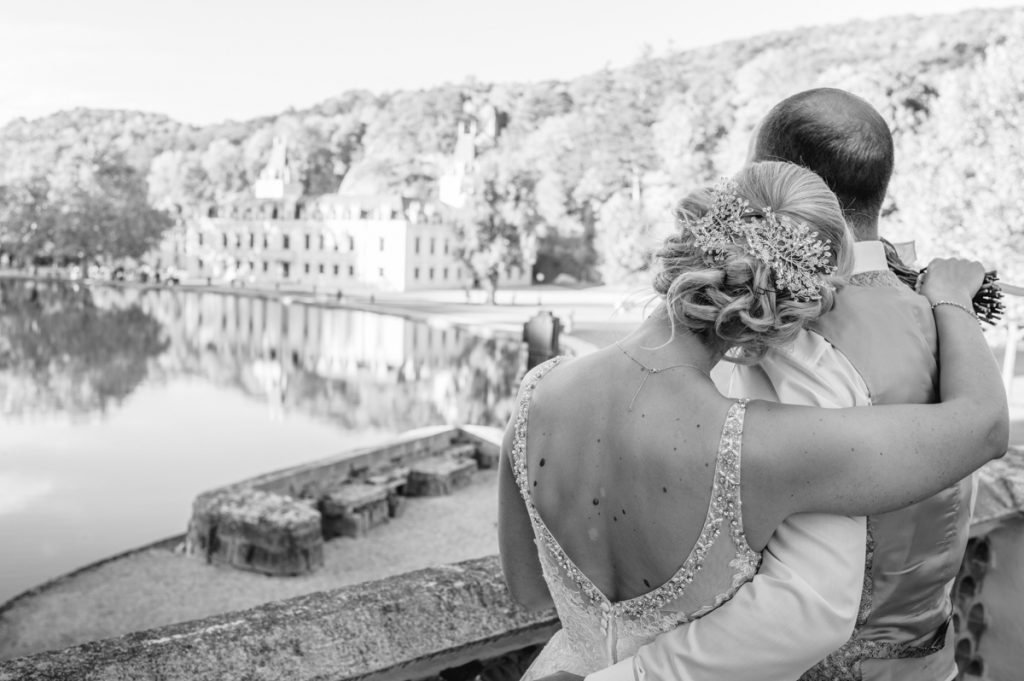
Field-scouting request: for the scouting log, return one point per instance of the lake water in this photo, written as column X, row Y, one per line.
column 118, row 406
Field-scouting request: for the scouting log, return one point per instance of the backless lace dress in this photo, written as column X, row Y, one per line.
column 597, row 632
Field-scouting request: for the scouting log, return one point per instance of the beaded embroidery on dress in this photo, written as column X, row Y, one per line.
column 597, row 632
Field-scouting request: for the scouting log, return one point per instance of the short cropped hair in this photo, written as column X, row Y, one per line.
column 840, row 137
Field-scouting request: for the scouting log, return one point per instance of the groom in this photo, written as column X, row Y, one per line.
column 877, row 346
column 886, row 333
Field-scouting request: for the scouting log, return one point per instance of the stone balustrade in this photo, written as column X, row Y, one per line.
column 415, row 626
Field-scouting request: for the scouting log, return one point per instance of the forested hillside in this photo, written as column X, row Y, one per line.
column 584, row 164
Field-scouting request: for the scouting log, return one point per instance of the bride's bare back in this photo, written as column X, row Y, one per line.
column 625, row 492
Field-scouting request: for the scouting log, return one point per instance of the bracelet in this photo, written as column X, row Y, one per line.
column 958, row 306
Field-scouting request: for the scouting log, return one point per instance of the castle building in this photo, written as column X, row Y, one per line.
column 331, row 242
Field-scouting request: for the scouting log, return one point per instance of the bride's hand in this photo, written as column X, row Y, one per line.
column 952, row 279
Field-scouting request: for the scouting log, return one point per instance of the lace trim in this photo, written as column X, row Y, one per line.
column 725, row 504
column 876, row 279
column 845, row 664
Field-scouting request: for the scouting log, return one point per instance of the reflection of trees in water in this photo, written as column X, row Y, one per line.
column 478, row 387
column 222, row 339
column 66, row 348
column 59, row 352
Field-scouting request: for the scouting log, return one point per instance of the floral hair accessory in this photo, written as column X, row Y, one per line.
column 798, row 259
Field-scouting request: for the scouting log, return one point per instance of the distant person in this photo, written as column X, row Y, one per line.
column 615, row 462
column 878, row 346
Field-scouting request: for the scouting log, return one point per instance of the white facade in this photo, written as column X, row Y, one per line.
column 376, row 243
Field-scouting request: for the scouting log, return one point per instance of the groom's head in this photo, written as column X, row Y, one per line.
column 840, row 137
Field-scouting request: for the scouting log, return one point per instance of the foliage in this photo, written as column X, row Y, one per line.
column 603, row 157
column 497, row 225
column 88, row 208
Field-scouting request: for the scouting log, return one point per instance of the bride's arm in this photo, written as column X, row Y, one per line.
column 519, row 559
column 874, row 459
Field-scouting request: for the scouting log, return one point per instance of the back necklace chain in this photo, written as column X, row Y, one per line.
column 648, row 371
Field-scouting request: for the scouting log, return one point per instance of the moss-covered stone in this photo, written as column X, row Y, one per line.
column 407, row 627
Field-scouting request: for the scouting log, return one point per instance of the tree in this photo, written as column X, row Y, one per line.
column 959, row 189
column 498, row 223
column 25, row 220
column 91, row 206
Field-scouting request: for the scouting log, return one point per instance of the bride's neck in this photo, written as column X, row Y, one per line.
column 655, row 339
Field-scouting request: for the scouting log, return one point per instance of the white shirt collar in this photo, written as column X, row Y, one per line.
column 868, row 256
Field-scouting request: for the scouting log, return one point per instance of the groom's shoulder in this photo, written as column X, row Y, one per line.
column 883, row 305
column 888, row 335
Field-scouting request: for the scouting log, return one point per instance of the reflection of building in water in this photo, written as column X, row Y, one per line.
column 362, row 368
column 332, row 241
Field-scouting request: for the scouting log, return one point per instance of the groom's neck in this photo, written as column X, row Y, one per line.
column 863, row 230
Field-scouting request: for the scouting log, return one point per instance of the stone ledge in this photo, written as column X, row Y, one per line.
column 406, row 627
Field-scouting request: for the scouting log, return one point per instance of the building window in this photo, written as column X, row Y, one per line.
column 266, row 242
column 200, row 263
column 446, row 246
column 266, row 266
column 285, row 269
column 305, row 268
column 351, row 243
column 322, row 242
column 252, row 240
column 458, row 273
column 416, row 273
column 416, row 248
column 321, row 268
column 380, row 272
column 200, row 238
column 252, row 266
column 224, row 240
column 431, row 245
column 446, row 274
column 285, row 242
column 382, row 243
column 431, row 274
column 238, row 241
column 351, row 270
column 308, row 241
column 336, row 269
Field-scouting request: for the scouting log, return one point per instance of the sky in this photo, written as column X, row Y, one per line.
column 205, row 61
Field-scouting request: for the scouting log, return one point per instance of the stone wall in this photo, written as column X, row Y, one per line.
column 415, row 626
column 988, row 596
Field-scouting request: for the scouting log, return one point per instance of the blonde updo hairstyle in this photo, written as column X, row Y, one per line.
column 730, row 299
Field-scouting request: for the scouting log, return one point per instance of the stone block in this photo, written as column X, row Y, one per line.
column 439, row 475
column 255, row 530
column 395, row 479
column 353, row 509
column 487, row 455
column 461, row 450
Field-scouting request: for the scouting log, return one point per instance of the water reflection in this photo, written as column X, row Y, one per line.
column 61, row 352
column 72, row 350
column 118, row 406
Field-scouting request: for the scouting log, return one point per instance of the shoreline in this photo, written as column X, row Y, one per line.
column 592, row 316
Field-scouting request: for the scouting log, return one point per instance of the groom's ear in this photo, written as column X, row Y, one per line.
column 752, row 146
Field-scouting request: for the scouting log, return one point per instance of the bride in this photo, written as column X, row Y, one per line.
column 621, row 487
